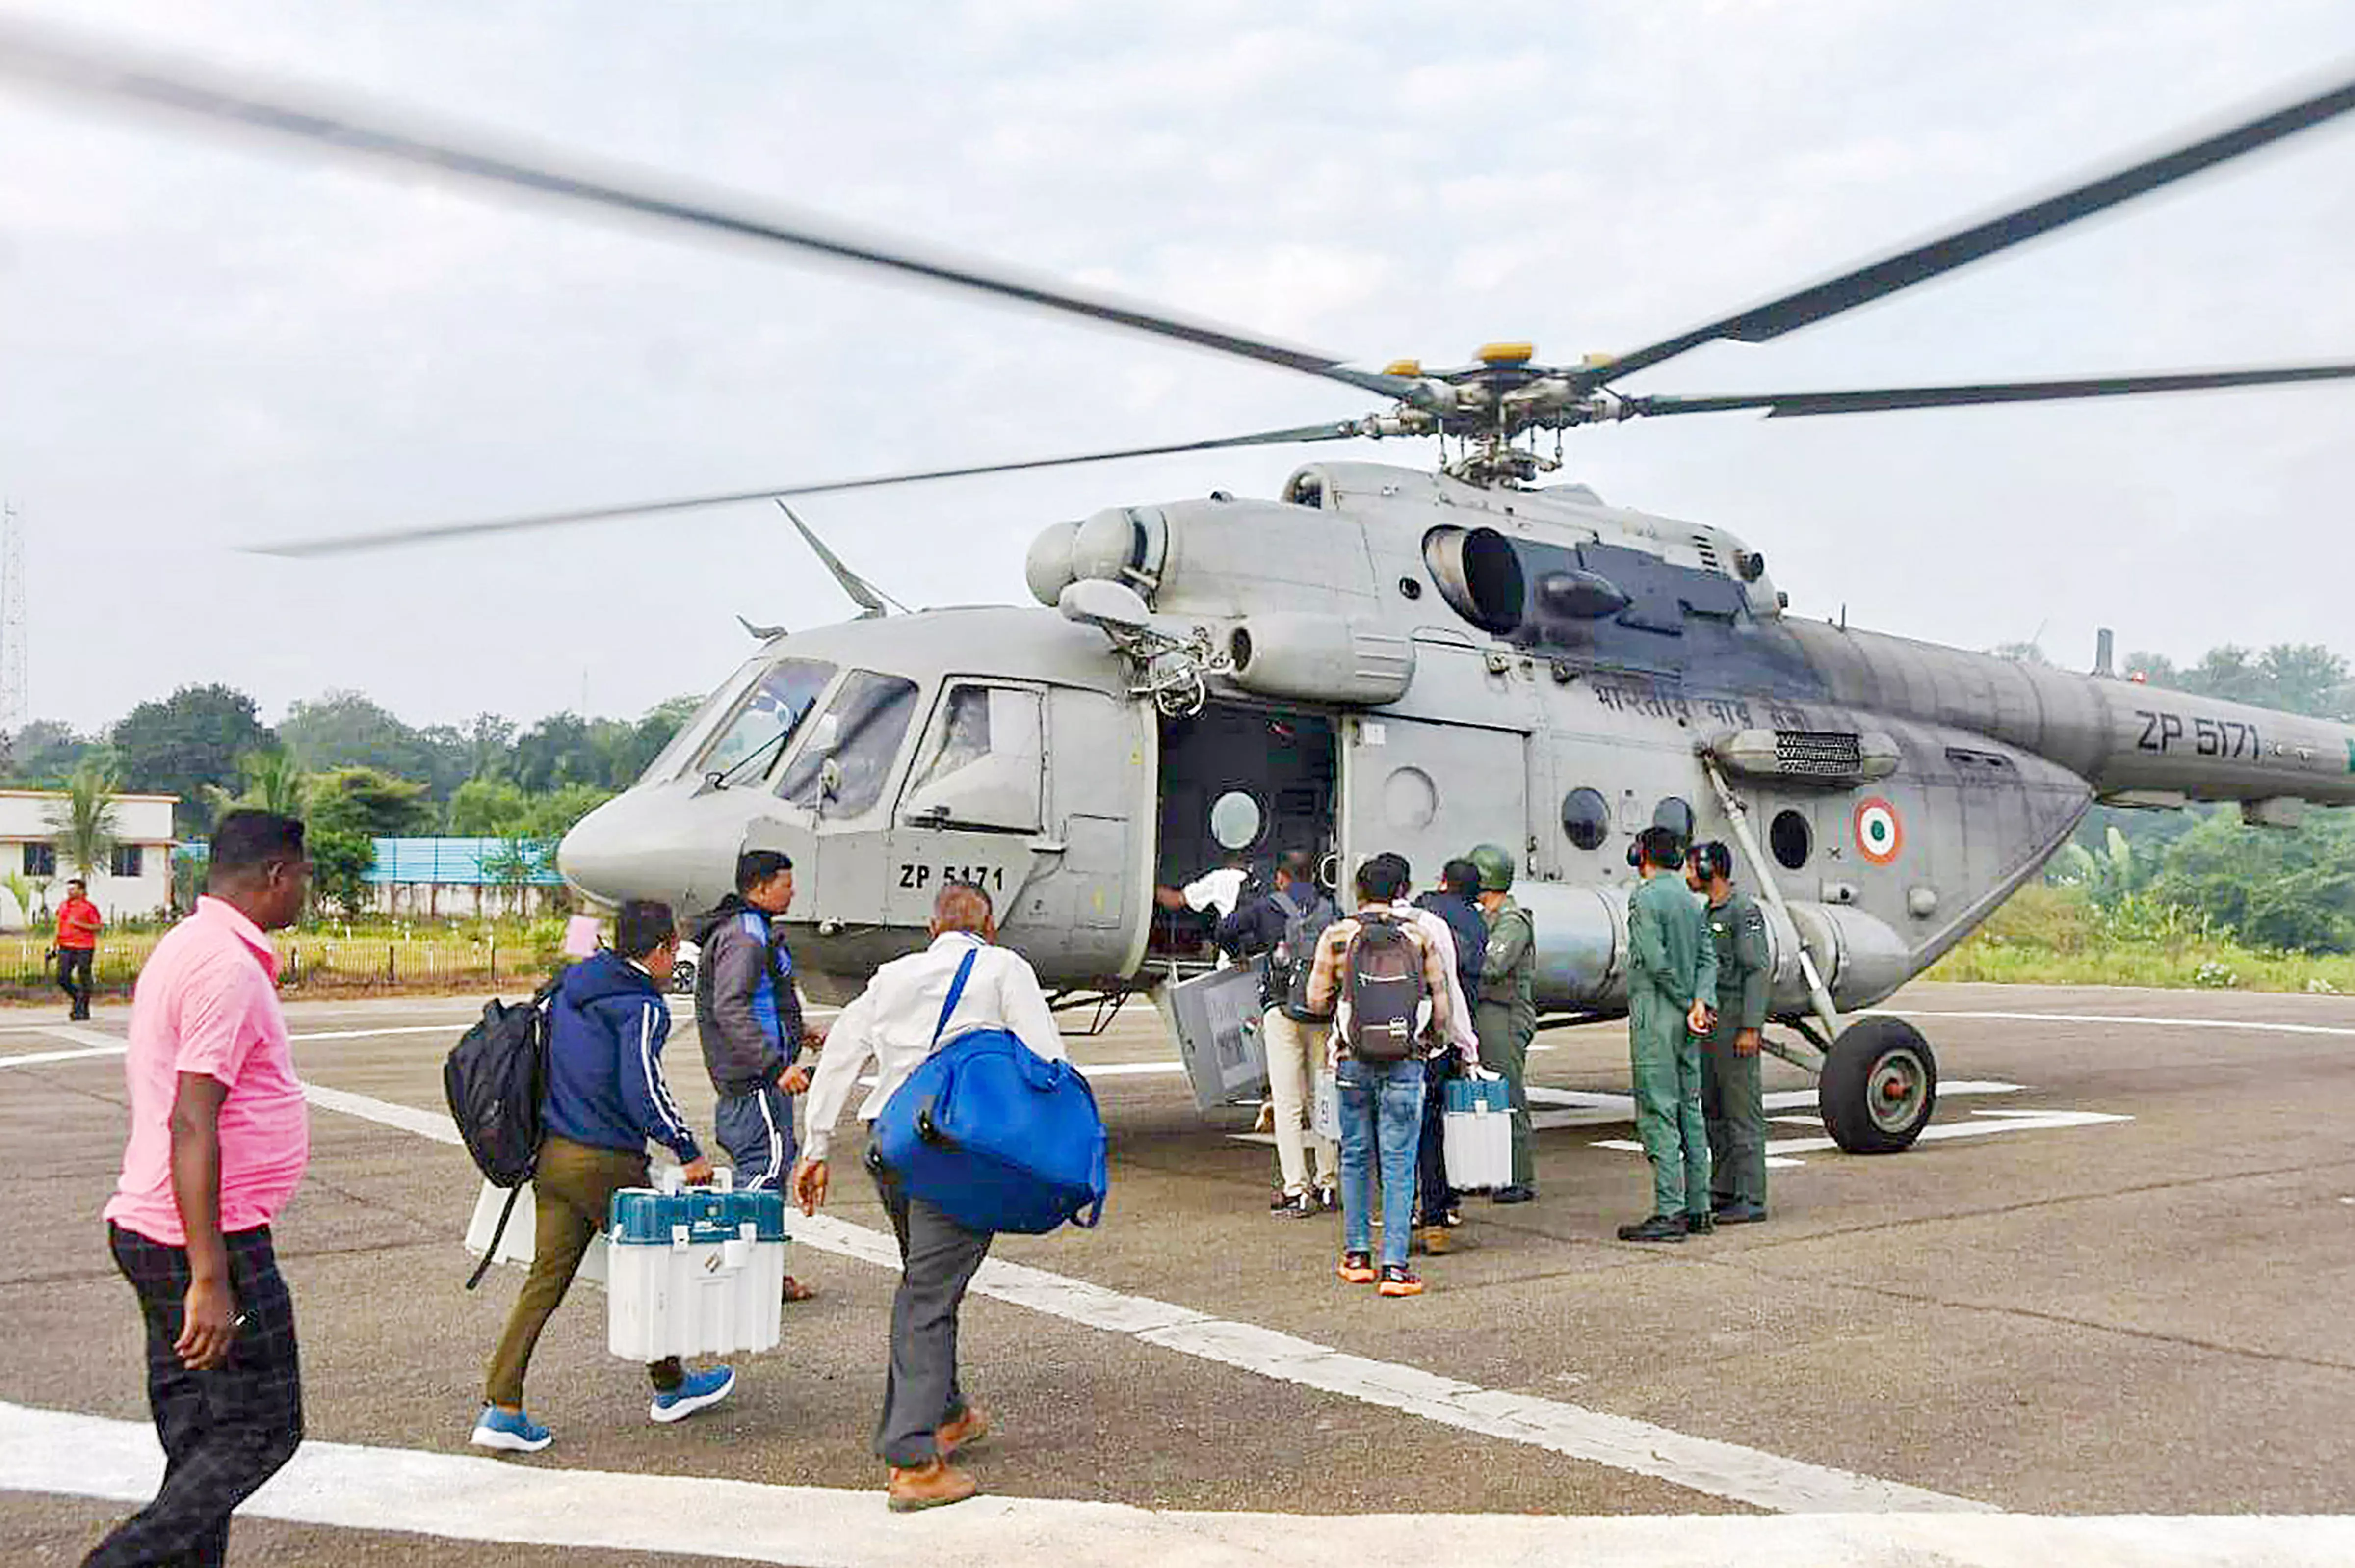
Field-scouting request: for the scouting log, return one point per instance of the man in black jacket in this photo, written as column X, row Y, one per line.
column 748, row 1016
column 1308, row 1168
column 1454, row 902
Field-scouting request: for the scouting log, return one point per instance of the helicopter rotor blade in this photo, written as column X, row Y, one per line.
column 1788, row 405
column 350, row 544
column 85, row 68
column 1936, row 257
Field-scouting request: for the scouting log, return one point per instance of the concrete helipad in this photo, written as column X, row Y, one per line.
column 2114, row 1284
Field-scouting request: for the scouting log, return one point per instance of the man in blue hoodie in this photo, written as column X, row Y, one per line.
column 749, row 1018
column 606, row 1100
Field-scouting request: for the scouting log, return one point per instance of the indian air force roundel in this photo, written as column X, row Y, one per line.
column 1880, row 832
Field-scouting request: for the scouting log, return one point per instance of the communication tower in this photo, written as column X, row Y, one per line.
column 14, row 694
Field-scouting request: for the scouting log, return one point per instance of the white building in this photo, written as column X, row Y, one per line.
column 136, row 879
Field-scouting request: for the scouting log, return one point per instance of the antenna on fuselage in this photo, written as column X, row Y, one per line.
column 869, row 599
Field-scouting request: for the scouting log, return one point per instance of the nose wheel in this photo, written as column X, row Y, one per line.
column 1879, row 1086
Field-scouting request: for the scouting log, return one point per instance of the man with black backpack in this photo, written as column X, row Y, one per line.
column 1287, row 925
column 1386, row 982
column 606, row 1100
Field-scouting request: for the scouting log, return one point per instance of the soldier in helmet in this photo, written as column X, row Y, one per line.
column 1729, row 1100
column 1671, row 981
column 1504, row 1015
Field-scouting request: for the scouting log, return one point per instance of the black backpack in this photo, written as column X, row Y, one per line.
column 1293, row 960
column 497, row 1082
column 1384, row 983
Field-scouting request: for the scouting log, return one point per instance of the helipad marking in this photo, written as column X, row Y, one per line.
column 1699, row 1464
column 460, row 1498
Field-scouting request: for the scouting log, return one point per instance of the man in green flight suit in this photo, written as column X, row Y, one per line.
column 1729, row 1100
column 1672, row 977
column 1505, row 1014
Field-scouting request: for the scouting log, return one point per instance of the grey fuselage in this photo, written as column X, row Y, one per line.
column 1526, row 668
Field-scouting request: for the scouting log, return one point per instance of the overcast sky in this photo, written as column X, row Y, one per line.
column 205, row 342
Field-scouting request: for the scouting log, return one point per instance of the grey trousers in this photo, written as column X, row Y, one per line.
column 937, row 1260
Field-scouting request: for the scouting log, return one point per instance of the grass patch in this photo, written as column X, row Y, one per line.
column 2047, row 935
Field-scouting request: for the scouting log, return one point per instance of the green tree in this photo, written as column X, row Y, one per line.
column 341, row 860
column 553, row 814
column 368, row 802
column 84, row 821
column 488, row 808
column 2293, row 677
column 274, row 781
column 661, row 725
column 512, row 866
column 2270, row 886
column 559, row 749
column 188, row 740
column 490, row 747
column 45, row 751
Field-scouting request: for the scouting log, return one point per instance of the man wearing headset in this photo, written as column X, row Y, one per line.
column 1730, row 1104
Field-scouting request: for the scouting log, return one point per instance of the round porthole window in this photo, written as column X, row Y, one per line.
column 1410, row 800
column 1235, row 820
column 1791, row 840
column 1586, row 817
column 1675, row 817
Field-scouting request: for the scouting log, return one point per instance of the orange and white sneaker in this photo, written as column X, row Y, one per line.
column 1398, row 1280
column 1357, row 1268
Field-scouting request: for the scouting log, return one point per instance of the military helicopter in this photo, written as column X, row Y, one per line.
column 1384, row 658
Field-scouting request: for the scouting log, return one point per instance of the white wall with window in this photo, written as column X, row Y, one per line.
column 133, row 878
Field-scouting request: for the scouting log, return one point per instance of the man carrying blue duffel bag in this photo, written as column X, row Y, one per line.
column 976, row 1124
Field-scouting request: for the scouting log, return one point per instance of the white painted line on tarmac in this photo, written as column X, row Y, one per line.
column 2228, row 1024
column 36, row 1058
column 1999, row 1121
column 1699, row 1464
column 456, row 1497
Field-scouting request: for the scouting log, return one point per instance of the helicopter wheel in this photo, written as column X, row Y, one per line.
column 1879, row 1086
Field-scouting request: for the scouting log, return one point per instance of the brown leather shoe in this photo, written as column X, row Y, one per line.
column 963, row 1432
column 796, row 1291
column 936, row 1485
column 1437, row 1239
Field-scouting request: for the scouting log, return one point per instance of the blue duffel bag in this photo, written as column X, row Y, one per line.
column 994, row 1135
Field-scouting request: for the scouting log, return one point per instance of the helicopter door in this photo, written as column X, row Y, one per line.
column 1430, row 791
column 972, row 808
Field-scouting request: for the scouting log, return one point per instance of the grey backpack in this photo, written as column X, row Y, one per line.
column 1295, row 958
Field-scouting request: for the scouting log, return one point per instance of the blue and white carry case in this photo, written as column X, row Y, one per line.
column 1476, row 1130
column 694, row 1271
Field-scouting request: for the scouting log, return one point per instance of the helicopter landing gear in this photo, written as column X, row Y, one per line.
column 1878, row 1087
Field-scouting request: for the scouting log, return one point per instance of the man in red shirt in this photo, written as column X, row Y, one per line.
column 78, row 926
column 220, row 1136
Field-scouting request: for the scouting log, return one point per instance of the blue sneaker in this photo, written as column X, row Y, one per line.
column 707, row 1387
column 513, row 1433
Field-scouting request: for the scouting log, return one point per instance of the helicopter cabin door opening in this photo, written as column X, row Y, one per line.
column 1236, row 781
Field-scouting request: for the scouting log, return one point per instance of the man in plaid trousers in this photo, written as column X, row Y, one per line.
column 219, row 1140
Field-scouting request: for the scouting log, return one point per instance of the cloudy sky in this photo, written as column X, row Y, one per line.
column 206, row 342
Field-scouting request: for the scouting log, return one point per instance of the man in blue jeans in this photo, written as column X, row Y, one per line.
column 1381, row 1102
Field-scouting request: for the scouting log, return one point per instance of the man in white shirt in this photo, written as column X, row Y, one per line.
column 895, row 1023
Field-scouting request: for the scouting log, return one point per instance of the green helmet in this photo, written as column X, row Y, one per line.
column 1496, row 867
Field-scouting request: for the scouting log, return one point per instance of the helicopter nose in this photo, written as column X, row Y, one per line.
column 635, row 846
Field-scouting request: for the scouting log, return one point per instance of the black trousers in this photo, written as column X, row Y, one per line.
column 1434, row 1199
column 73, row 977
column 937, row 1260
column 225, row 1431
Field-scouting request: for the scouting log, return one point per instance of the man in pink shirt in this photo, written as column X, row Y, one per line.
column 219, row 1139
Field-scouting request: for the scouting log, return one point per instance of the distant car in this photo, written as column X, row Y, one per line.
column 682, row 978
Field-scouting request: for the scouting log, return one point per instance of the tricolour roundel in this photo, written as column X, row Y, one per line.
column 1880, row 832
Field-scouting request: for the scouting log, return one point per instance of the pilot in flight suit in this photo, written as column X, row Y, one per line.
column 1671, row 964
column 1731, row 1103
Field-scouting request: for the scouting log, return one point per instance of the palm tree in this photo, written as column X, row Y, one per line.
column 274, row 781
column 20, row 887
column 84, row 821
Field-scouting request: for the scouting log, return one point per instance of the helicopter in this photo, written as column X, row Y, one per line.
column 1378, row 659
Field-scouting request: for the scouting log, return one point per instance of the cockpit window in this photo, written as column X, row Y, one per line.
column 979, row 767
column 697, row 729
column 845, row 759
column 767, row 716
